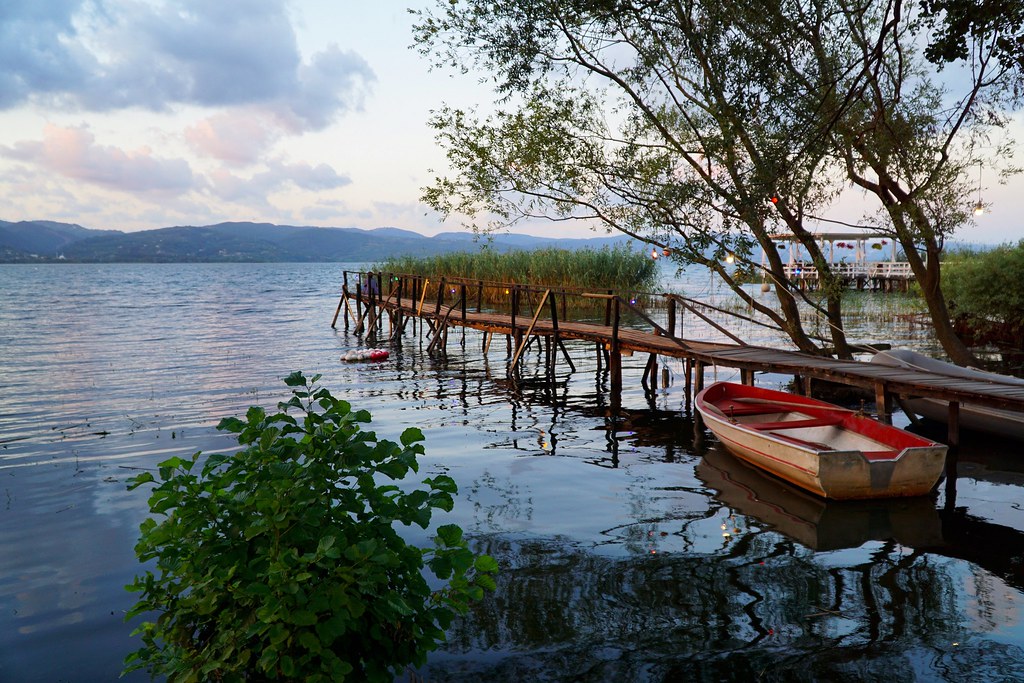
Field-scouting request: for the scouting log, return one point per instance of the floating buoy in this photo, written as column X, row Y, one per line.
column 365, row 354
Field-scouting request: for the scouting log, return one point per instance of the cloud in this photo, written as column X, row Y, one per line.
column 103, row 55
column 230, row 187
column 73, row 153
column 35, row 55
column 234, row 139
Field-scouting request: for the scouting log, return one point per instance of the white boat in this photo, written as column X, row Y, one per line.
column 825, row 449
column 1009, row 423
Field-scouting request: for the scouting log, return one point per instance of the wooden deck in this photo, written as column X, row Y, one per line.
column 887, row 383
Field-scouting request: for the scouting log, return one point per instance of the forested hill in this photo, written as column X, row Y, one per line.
column 48, row 241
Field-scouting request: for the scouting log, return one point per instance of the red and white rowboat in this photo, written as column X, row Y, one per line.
column 827, row 450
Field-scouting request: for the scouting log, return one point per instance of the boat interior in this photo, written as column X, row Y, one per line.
column 822, row 429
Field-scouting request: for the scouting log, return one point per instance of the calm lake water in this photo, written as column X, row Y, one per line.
column 632, row 548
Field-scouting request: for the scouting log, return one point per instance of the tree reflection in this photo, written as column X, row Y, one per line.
column 762, row 609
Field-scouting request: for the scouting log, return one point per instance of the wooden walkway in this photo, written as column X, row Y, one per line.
column 450, row 307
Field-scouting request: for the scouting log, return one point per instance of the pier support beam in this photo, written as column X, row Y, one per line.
column 883, row 404
column 953, row 421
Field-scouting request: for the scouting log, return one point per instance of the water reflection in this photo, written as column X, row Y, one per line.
column 762, row 609
column 606, row 518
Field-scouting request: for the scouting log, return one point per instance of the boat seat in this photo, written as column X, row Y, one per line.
column 731, row 408
column 824, row 421
column 816, row 445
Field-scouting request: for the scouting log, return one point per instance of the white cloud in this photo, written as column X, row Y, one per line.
column 73, row 153
column 257, row 188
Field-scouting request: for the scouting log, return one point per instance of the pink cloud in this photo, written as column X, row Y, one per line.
column 235, row 139
column 73, row 153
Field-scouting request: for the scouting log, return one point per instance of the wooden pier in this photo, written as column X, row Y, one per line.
column 383, row 305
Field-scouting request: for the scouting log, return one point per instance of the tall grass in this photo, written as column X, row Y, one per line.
column 619, row 269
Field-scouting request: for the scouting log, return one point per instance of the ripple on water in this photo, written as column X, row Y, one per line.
column 610, row 539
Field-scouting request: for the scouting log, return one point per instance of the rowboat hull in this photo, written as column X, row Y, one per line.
column 827, row 450
column 1006, row 423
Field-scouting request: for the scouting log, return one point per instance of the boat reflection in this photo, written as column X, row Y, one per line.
column 823, row 525
column 813, row 521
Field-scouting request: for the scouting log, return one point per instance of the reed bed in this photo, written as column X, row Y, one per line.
column 619, row 269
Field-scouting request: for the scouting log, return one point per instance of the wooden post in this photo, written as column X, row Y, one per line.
column 359, row 306
column 440, row 299
column 462, row 297
column 607, row 322
column 651, row 371
column 952, row 453
column 688, row 379
column 520, row 347
column 615, row 356
column 883, row 403
column 554, row 334
column 371, row 316
column 671, row 333
column 954, row 424
column 698, row 377
column 479, row 295
column 514, row 304
column 337, row 311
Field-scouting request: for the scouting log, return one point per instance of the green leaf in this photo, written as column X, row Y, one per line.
column 486, row 563
column 231, row 424
column 296, row 379
column 137, row 481
column 303, row 618
column 450, row 534
column 411, row 435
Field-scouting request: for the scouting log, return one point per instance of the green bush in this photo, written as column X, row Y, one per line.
column 987, row 286
column 281, row 562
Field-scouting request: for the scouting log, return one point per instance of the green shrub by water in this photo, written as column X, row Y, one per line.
column 620, row 269
column 987, row 285
column 282, row 561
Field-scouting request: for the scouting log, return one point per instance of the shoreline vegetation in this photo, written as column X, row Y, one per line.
column 592, row 270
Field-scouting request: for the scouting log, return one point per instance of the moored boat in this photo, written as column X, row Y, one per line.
column 1008, row 423
column 825, row 449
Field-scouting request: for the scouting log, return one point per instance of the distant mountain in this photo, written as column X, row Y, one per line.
column 33, row 240
column 43, row 241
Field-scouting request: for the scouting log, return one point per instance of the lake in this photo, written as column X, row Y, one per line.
column 632, row 548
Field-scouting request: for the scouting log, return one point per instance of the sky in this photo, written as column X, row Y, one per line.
column 139, row 114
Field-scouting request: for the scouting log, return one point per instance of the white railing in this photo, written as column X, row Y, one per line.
column 886, row 270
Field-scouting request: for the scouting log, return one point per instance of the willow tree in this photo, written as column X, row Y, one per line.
column 708, row 128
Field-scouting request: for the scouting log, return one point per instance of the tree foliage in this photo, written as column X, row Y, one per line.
column 988, row 287
column 709, row 128
column 281, row 562
column 961, row 26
